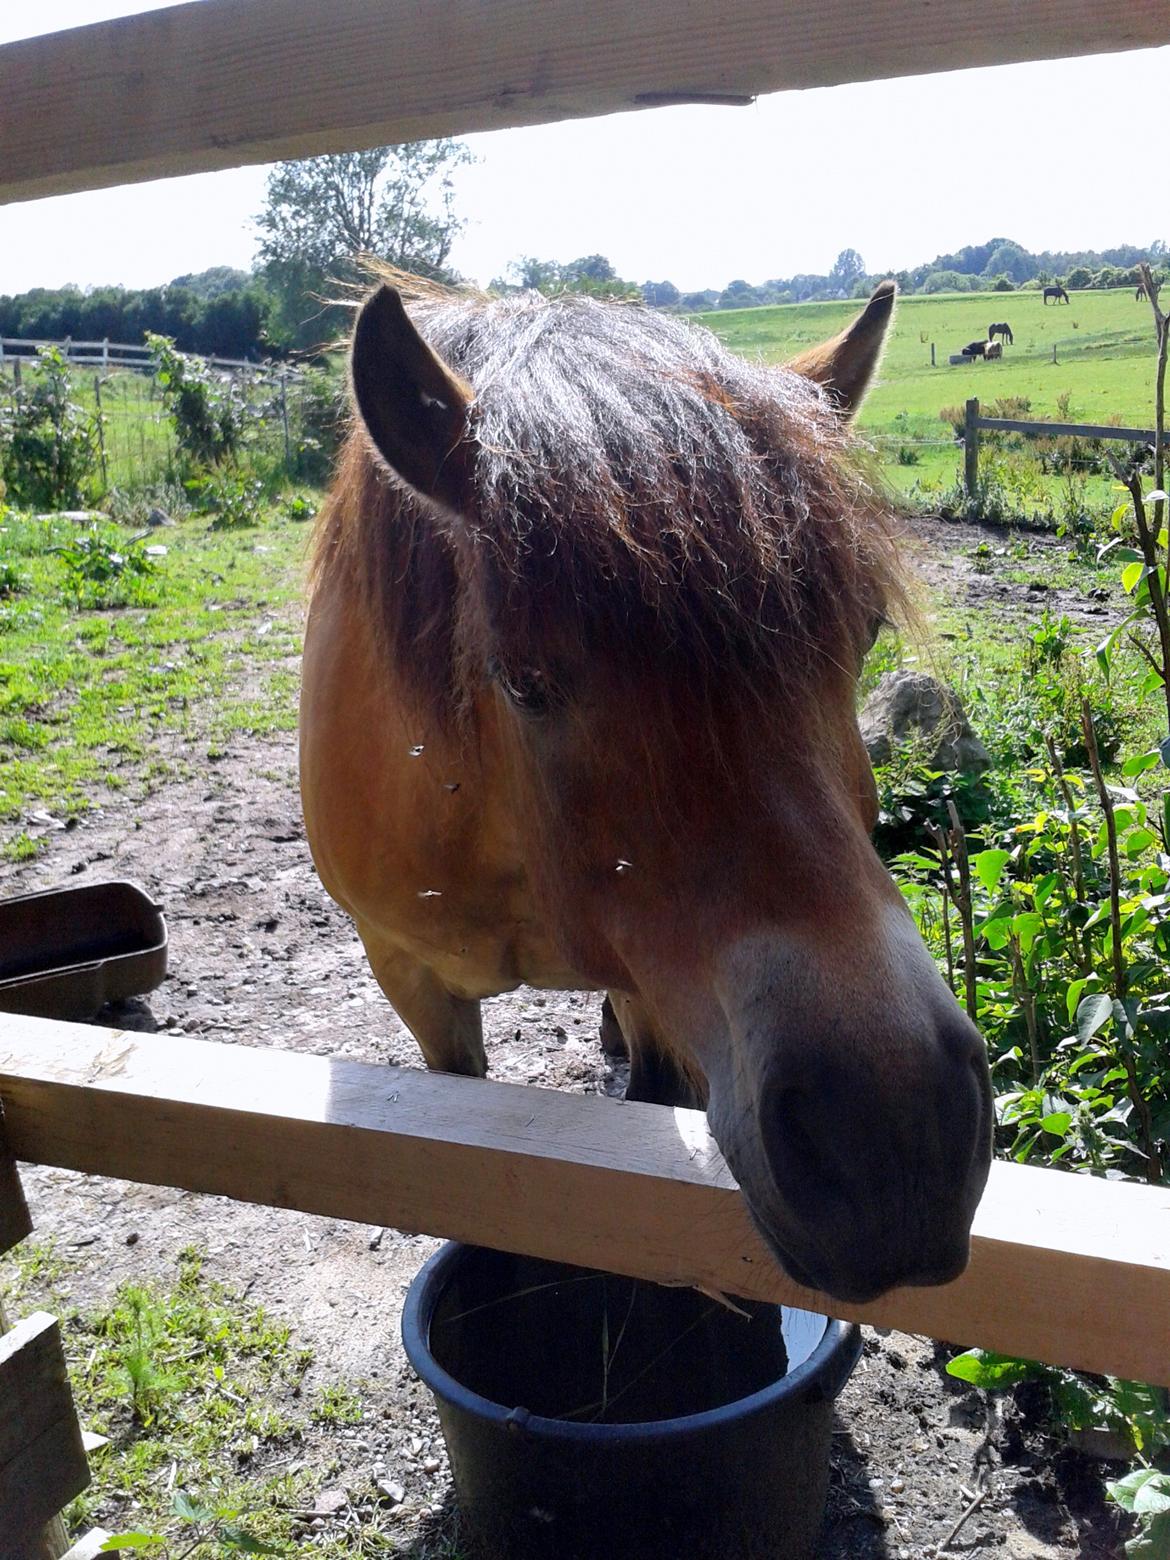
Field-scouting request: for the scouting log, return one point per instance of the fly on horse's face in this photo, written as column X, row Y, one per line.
column 619, row 585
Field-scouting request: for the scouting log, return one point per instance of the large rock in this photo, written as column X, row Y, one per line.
column 910, row 708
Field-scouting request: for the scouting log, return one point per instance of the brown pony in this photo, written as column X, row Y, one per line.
column 591, row 598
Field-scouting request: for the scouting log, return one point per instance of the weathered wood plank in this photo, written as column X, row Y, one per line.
column 15, row 1222
column 226, row 82
column 34, row 1384
column 1052, row 430
column 42, row 1462
column 47, row 1474
column 636, row 1189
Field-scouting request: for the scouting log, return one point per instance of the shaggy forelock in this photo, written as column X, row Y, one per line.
column 639, row 492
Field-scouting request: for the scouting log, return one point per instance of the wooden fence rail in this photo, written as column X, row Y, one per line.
column 974, row 424
column 112, row 354
column 1064, row 1268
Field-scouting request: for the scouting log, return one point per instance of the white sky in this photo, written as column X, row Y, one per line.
column 695, row 195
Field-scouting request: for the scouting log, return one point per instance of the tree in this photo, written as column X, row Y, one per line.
column 739, row 295
column 322, row 214
column 660, row 295
column 592, row 275
column 1011, row 260
column 946, row 281
column 847, row 267
column 589, row 268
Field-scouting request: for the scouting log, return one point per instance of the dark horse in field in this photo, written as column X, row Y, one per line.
column 1003, row 330
column 1056, row 294
column 975, row 349
column 591, row 599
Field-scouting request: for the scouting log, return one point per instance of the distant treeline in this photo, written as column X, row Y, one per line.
column 220, row 313
column 230, row 313
column 1000, row 265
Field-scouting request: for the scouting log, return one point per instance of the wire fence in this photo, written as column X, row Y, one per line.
column 286, row 413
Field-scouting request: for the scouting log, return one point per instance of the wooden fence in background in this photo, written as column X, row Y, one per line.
column 107, row 354
column 974, row 424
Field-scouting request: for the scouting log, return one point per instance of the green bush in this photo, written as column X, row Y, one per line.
column 104, row 568
column 49, row 445
column 207, row 410
column 321, row 414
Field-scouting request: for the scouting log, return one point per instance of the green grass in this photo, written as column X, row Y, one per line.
column 203, row 1398
column 1104, row 367
column 117, row 683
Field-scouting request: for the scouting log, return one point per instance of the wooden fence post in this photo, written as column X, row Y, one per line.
column 284, row 421
column 932, row 363
column 101, row 432
column 971, row 448
column 39, row 1437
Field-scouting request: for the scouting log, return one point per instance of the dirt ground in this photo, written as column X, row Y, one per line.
column 260, row 956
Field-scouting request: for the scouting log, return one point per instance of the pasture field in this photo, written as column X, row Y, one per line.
column 125, row 661
column 1103, row 370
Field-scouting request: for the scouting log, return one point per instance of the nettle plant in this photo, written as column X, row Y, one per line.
column 1053, row 930
column 208, row 411
column 49, row 444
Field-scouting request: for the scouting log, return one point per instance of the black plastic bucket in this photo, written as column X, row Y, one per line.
column 591, row 1417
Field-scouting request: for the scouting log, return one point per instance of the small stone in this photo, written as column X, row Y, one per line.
column 431, row 1465
column 391, row 1490
column 132, row 1238
column 329, row 1502
column 897, row 1486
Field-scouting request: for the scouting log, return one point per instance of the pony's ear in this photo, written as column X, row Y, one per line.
column 846, row 364
column 414, row 407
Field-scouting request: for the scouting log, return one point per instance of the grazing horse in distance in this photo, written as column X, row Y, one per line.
column 993, row 349
column 591, row 598
column 1003, row 330
column 1056, row 294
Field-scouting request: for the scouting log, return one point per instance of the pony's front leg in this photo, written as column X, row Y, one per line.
column 448, row 1029
column 655, row 1075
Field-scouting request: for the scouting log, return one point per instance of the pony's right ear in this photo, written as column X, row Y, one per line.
column 415, row 409
column 845, row 365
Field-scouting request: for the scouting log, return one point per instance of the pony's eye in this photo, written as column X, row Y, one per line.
column 527, row 689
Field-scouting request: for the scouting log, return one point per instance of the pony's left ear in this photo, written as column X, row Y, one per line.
column 846, row 364
column 415, row 408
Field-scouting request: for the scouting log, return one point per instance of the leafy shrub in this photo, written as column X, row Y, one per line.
column 12, row 582
column 234, row 501
column 207, row 410
column 49, row 443
column 105, row 569
column 320, row 423
column 133, row 509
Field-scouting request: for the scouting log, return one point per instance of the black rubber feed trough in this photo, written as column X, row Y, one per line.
column 66, row 952
column 592, row 1417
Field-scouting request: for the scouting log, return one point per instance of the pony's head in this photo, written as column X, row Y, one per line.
column 646, row 574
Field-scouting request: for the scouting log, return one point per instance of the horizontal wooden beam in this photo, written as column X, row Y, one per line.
column 1053, row 430
column 220, row 83
column 636, row 1189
